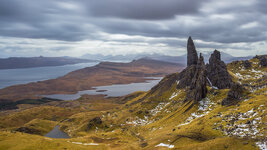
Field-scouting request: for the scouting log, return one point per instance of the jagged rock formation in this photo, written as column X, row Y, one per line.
column 234, row 95
column 197, row 74
column 191, row 52
column 262, row 59
column 246, row 64
column 217, row 71
column 194, row 75
column 198, row 89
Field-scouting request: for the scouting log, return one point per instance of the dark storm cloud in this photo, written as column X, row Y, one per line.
column 76, row 20
column 143, row 9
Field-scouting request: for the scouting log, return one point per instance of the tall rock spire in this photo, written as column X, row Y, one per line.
column 191, row 52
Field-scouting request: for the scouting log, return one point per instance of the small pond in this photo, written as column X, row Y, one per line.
column 57, row 133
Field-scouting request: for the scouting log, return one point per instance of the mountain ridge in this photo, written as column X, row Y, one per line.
column 31, row 62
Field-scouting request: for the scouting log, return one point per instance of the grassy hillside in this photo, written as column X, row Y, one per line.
column 157, row 119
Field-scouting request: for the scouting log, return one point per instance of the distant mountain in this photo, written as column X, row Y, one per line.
column 131, row 57
column 30, row 62
column 227, row 58
column 114, row 58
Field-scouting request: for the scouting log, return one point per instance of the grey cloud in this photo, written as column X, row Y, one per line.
column 144, row 10
column 50, row 20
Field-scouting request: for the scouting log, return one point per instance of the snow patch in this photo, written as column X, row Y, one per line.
column 80, row 143
column 153, row 112
column 204, row 108
column 165, row 145
column 262, row 145
column 174, row 94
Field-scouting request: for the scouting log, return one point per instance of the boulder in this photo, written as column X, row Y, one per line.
column 234, row 95
column 217, row 72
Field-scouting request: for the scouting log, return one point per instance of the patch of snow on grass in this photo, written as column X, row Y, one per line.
column 203, row 109
column 165, row 145
column 140, row 121
column 262, row 145
column 158, row 108
column 80, row 143
column 153, row 112
column 174, row 94
column 90, row 144
column 237, row 127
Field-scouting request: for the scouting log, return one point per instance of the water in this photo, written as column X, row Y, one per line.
column 111, row 90
column 56, row 133
column 10, row 77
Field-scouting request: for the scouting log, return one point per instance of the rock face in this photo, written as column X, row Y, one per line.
column 262, row 59
column 185, row 77
column 246, row 64
column 217, row 72
column 234, row 95
column 198, row 89
column 191, row 53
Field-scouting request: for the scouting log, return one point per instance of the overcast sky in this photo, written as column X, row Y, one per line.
column 77, row 27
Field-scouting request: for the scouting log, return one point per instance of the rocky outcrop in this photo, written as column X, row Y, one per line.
column 234, row 95
column 94, row 122
column 198, row 89
column 191, row 53
column 262, row 59
column 196, row 75
column 246, row 64
column 217, row 72
column 28, row 130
